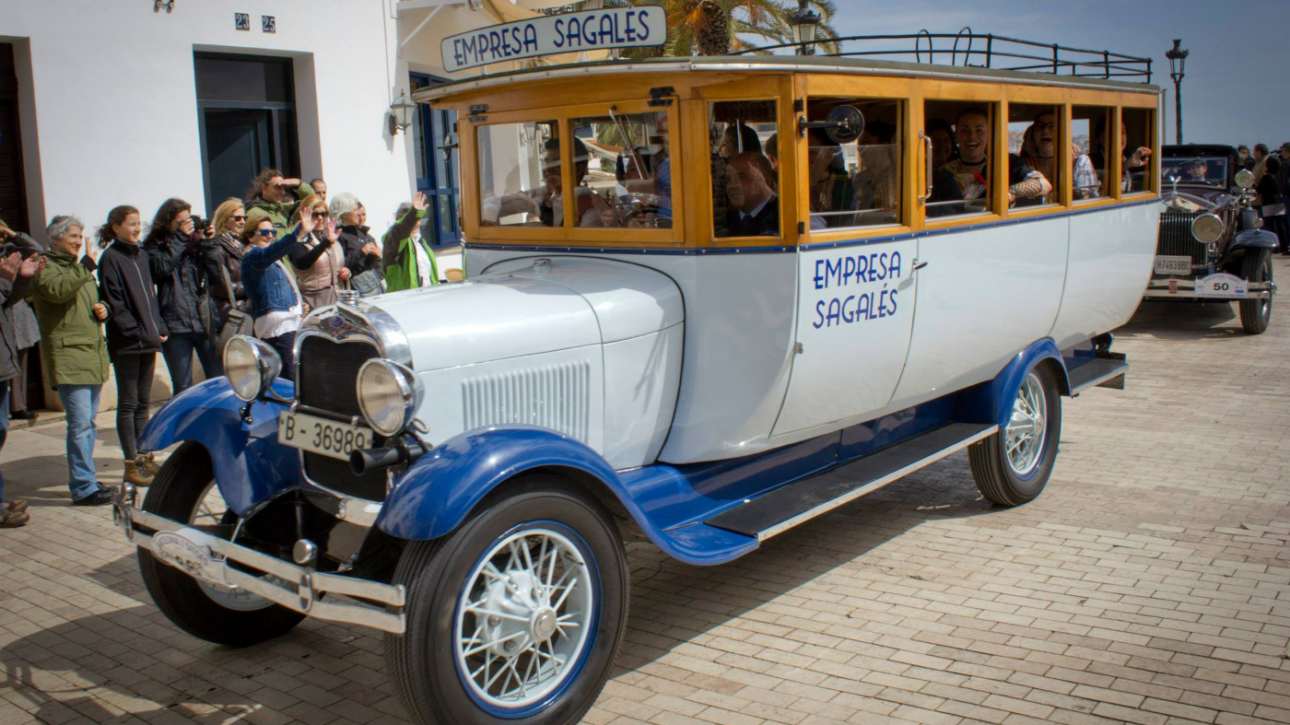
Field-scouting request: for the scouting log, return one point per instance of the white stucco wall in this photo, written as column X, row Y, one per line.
column 116, row 108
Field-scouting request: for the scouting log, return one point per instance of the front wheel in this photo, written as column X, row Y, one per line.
column 1012, row 466
column 1256, row 314
column 516, row 616
column 185, row 491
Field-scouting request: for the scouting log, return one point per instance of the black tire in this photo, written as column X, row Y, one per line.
column 178, row 489
column 996, row 477
column 423, row 662
column 1256, row 314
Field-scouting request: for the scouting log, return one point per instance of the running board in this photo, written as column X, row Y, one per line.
column 1105, row 371
column 786, row 507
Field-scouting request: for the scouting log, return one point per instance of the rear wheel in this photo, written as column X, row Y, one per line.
column 185, row 491
column 1256, row 314
column 1012, row 466
column 515, row 617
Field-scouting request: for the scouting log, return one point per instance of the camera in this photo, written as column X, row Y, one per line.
column 200, row 225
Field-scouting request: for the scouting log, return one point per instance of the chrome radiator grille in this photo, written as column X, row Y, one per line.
column 1176, row 239
column 326, row 377
column 557, row 397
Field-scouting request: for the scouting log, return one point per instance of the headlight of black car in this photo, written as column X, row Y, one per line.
column 1207, row 228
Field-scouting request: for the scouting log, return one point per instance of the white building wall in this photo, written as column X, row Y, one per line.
column 116, row 107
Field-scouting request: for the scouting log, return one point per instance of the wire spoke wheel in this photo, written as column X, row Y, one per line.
column 523, row 618
column 1027, row 429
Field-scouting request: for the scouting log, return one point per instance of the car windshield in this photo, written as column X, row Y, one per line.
column 1208, row 170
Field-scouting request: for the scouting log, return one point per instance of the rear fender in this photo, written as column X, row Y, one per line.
column 250, row 465
column 991, row 402
column 442, row 487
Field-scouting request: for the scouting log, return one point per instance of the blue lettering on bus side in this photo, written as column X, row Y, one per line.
column 643, row 33
column 864, row 306
column 531, row 40
column 575, row 32
column 629, row 32
column 589, row 31
column 559, row 33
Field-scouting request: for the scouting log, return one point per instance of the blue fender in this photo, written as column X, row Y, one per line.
column 992, row 402
column 1254, row 238
column 437, row 492
column 250, row 465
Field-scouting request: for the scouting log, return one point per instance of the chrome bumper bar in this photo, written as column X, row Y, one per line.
column 298, row 588
column 1185, row 289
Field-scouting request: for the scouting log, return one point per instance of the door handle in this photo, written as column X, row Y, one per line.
column 927, row 150
column 919, row 265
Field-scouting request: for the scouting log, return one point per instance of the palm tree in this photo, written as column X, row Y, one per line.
column 719, row 27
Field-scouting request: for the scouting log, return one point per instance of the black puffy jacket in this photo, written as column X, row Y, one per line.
column 125, row 284
column 180, row 280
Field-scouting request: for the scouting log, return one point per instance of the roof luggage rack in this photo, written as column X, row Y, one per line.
column 969, row 49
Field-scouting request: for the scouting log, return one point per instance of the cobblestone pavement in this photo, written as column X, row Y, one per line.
column 1149, row 584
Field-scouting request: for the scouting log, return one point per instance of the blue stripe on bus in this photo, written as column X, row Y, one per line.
column 704, row 251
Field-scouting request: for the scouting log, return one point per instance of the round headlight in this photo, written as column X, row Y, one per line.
column 251, row 366
column 1245, row 179
column 1207, row 228
column 388, row 395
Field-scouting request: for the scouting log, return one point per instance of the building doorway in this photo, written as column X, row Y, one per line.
column 247, row 112
column 438, row 172
column 13, row 185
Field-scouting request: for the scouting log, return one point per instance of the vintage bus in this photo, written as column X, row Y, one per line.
column 708, row 299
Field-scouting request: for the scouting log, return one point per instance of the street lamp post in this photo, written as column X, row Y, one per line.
column 1177, row 61
column 804, row 23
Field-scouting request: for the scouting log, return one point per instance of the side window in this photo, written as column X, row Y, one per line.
column 1034, row 145
column 960, row 173
column 519, row 174
column 1090, row 127
column 1138, row 132
column 745, row 183
column 854, row 178
column 622, row 171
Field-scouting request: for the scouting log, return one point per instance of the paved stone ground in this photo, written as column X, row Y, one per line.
column 1150, row 584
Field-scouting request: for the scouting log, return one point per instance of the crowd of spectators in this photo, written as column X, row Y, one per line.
column 182, row 287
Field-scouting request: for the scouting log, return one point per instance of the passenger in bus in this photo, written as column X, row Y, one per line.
column 663, row 177
column 736, row 142
column 876, row 180
column 971, row 170
column 1129, row 164
column 754, row 207
column 942, row 135
column 1039, row 147
column 591, row 208
column 832, row 190
column 1084, row 179
column 772, row 151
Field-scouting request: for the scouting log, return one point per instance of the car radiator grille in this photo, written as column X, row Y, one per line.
column 326, row 376
column 1176, row 239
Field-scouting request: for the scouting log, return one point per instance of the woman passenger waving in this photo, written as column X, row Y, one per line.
column 972, row 168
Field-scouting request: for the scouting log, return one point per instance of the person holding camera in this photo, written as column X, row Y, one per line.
column 16, row 271
column 135, row 332
column 172, row 246
column 221, row 254
column 24, row 322
column 76, row 359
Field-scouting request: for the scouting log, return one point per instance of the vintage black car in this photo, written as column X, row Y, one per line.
column 1211, row 246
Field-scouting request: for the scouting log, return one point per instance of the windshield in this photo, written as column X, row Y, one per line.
column 1208, row 170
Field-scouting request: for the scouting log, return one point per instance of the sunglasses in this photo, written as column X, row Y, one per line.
column 241, row 218
column 266, row 232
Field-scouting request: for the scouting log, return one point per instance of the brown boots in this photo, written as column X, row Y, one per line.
column 137, row 472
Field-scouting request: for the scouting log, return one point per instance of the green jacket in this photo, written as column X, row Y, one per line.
column 400, row 258
column 64, row 295
column 283, row 215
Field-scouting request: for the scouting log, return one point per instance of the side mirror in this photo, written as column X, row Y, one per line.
column 1244, row 179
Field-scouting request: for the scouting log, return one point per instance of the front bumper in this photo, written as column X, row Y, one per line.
column 1176, row 288
column 298, row 588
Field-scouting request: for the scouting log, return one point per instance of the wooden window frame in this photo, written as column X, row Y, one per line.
column 992, row 96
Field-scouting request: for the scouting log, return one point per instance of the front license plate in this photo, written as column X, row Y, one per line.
column 1173, row 265
column 1222, row 284
column 324, row 437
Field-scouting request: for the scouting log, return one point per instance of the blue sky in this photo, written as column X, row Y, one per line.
column 1237, row 87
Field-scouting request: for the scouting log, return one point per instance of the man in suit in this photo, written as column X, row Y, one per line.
column 750, row 187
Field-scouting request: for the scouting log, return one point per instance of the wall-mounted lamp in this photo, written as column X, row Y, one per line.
column 401, row 112
column 169, row 5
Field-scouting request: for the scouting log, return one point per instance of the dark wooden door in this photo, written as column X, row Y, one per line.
column 13, row 192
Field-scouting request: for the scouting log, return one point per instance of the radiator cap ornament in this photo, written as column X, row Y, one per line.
column 348, row 296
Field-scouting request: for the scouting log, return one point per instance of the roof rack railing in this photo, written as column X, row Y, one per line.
column 968, row 49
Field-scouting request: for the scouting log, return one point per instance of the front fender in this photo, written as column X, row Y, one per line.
column 991, row 402
column 250, row 465
column 442, row 487
column 1254, row 238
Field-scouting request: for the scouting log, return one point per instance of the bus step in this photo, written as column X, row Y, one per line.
column 795, row 503
column 1102, row 372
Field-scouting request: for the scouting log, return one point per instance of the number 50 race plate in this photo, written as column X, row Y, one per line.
column 322, row 436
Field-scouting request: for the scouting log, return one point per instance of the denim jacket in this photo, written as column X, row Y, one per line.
column 265, row 282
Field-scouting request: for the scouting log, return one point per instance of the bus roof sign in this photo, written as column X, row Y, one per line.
column 631, row 27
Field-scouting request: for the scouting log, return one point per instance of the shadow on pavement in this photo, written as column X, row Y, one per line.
column 1184, row 321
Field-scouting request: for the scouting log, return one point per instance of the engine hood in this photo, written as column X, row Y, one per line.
column 515, row 309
